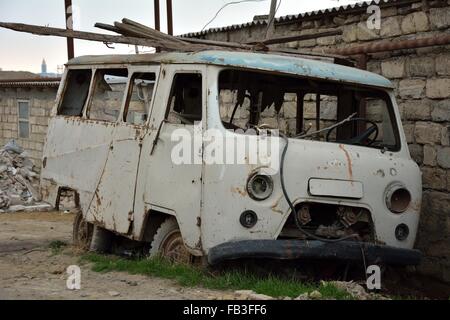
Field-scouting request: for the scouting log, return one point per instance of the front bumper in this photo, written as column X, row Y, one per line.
column 302, row 249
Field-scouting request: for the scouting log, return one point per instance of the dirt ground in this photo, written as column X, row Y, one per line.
column 30, row 270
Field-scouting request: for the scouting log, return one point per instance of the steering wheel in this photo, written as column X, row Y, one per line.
column 363, row 138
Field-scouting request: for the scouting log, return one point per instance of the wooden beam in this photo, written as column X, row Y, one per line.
column 48, row 31
column 107, row 27
column 69, row 26
column 271, row 22
column 218, row 43
column 169, row 17
column 298, row 37
column 157, row 15
column 143, row 29
column 151, row 32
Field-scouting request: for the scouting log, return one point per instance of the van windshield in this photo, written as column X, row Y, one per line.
column 308, row 108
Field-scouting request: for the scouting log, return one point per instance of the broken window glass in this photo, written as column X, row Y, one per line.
column 140, row 98
column 107, row 98
column 307, row 109
column 75, row 93
column 185, row 103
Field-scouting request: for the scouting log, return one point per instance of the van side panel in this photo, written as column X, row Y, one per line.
column 74, row 156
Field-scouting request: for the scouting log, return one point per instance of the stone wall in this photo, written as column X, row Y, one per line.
column 422, row 86
column 41, row 101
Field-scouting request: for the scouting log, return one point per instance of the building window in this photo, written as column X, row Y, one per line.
column 24, row 119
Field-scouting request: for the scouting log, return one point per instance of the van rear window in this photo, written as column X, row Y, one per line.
column 75, row 93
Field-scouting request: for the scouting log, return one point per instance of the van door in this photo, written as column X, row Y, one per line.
column 113, row 202
column 165, row 184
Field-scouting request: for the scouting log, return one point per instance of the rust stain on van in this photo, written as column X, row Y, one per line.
column 239, row 191
column 349, row 161
column 275, row 208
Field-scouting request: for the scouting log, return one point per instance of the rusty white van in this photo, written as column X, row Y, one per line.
column 346, row 188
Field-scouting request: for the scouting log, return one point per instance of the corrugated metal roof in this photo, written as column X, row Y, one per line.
column 296, row 17
column 25, row 83
column 249, row 60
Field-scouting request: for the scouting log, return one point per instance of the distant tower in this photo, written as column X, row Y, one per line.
column 44, row 67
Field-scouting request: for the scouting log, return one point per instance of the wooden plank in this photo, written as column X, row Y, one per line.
column 298, row 37
column 151, row 31
column 129, row 30
column 107, row 27
column 142, row 38
column 48, row 31
column 219, row 43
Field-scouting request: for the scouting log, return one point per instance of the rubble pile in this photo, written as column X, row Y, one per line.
column 19, row 179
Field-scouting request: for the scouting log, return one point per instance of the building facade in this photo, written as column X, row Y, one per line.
column 25, row 107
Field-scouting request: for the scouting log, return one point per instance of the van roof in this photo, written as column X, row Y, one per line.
column 249, row 60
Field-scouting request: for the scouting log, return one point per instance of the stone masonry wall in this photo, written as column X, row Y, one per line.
column 41, row 101
column 422, row 86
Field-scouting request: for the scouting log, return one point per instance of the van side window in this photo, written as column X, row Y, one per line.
column 75, row 93
column 185, row 103
column 107, row 97
column 139, row 98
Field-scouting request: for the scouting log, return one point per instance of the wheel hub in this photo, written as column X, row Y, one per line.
column 173, row 249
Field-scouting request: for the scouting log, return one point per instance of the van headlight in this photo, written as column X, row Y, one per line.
column 398, row 198
column 260, row 187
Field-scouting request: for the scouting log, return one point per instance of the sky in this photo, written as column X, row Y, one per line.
column 24, row 52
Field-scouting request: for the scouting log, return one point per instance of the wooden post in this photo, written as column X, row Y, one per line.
column 271, row 21
column 169, row 17
column 300, row 111
column 318, row 97
column 69, row 26
column 157, row 19
column 157, row 15
column 361, row 63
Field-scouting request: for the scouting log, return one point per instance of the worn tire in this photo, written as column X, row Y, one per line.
column 82, row 232
column 168, row 243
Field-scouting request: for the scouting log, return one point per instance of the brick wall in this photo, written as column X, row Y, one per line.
column 422, row 85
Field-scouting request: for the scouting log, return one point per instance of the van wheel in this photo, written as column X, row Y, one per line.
column 82, row 232
column 168, row 243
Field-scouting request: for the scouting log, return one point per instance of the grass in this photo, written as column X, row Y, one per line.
column 190, row 276
column 57, row 246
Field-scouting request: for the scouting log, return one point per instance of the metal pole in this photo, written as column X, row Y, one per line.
column 169, row 18
column 271, row 21
column 157, row 15
column 69, row 26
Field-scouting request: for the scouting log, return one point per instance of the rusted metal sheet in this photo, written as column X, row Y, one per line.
column 23, row 83
column 382, row 46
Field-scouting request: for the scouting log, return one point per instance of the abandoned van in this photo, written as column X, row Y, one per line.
column 344, row 186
